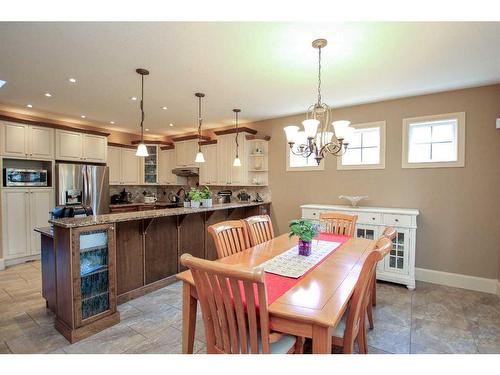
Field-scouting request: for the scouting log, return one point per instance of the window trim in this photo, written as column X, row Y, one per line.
column 381, row 164
column 460, row 162
column 320, row 167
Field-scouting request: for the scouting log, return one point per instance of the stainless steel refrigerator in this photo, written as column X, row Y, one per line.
column 83, row 184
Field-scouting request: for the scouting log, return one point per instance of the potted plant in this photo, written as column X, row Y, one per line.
column 206, row 197
column 195, row 197
column 306, row 230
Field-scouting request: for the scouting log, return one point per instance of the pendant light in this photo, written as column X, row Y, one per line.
column 199, row 156
column 237, row 161
column 142, row 150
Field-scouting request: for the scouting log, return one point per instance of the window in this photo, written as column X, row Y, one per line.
column 366, row 148
column 300, row 163
column 434, row 141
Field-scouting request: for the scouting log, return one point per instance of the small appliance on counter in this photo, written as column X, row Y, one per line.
column 224, row 196
column 258, row 198
column 122, row 198
column 243, row 196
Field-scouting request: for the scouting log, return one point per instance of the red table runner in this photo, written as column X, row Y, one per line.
column 278, row 285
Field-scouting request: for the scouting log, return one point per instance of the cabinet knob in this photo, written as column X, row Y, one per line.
column 396, row 220
column 373, row 218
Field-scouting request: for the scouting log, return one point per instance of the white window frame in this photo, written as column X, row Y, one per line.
column 460, row 162
column 310, row 168
column 381, row 164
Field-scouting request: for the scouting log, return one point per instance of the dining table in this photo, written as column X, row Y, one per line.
column 310, row 306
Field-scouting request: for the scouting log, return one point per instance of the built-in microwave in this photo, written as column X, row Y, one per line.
column 24, row 177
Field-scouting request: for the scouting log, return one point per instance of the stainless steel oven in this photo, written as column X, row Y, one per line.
column 24, row 177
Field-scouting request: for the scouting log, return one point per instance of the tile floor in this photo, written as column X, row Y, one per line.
column 431, row 319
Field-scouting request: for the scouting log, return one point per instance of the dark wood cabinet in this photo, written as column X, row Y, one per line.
column 191, row 236
column 130, row 256
column 160, row 248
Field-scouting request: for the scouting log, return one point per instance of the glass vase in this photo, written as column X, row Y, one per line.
column 305, row 247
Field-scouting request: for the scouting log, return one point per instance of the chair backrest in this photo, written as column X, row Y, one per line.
column 389, row 232
column 359, row 299
column 233, row 305
column 338, row 223
column 260, row 229
column 230, row 237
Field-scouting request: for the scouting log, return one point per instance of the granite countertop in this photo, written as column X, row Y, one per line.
column 141, row 204
column 75, row 222
column 46, row 231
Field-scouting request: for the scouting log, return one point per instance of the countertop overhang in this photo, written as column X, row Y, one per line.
column 149, row 214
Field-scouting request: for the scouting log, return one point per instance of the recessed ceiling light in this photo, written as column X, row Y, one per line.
column 83, row 116
column 48, row 94
column 112, row 122
column 146, row 130
column 164, row 108
column 133, row 98
column 171, row 124
column 2, row 82
column 72, row 80
column 29, row 105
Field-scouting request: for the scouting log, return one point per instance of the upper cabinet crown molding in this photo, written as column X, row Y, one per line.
column 234, row 130
column 190, row 137
column 27, row 141
column 54, row 124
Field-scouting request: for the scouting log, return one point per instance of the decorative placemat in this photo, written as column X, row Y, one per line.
column 291, row 264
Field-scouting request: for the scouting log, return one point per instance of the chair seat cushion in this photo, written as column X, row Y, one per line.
column 282, row 346
column 339, row 330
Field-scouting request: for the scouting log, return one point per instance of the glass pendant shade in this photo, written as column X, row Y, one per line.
column 291, row 133
column 301, row 138
column 142, row 150
column 341, row 128
column 310, row 127
column 237, row 162
column 199, row 157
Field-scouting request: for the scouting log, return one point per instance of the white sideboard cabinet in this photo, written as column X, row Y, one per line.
column 399, row 265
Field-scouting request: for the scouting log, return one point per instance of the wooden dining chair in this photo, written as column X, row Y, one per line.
column 230, row 237
column 338, row 223
column 383, row 246
column 389, row 233
column 351, row 328
column 234, row 309
column 259, row 228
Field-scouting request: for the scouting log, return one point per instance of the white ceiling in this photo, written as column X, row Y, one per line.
column 266, row 69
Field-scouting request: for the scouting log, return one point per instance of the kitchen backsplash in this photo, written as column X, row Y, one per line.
column 161, row 192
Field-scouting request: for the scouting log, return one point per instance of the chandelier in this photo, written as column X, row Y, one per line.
column 318, row 139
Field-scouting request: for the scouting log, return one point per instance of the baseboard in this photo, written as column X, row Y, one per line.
column 457, row 280
column 2, row 264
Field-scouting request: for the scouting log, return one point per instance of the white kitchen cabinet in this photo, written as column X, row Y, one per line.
column 124, row 166
column 226, row 152
column 114, row 163
column 75, row 146
column 95, row 148
column 185, row 153
column 23, row 210
column 399, row 265
column 27, row 141
column 208, row 170
column 167, row 162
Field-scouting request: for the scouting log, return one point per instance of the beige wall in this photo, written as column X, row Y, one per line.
column 459, row 226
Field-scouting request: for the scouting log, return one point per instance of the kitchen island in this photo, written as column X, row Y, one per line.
column 103, row 260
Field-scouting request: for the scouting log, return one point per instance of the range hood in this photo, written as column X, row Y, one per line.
column 186, row 172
